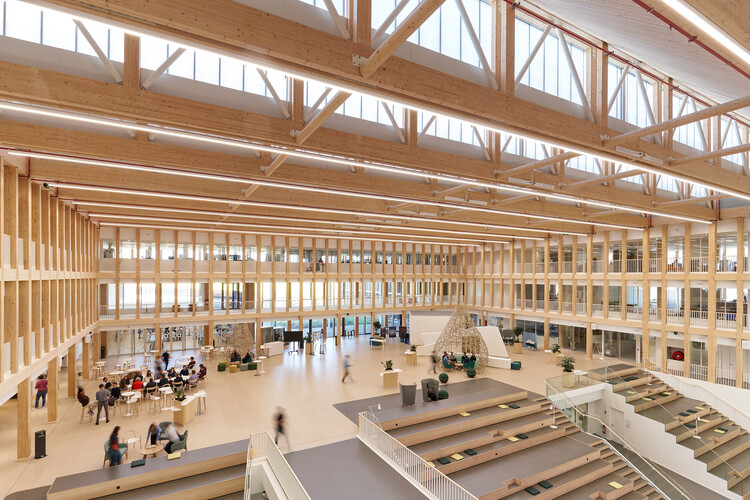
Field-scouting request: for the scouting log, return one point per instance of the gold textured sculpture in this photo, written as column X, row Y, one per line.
column 461, row 336
column 242, row 340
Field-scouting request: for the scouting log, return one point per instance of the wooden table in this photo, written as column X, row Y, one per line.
column 151, row 451
column 411, row 357
column 390, row 378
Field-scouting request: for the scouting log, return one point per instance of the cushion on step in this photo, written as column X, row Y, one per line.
column 515, row 407
column 444, row 460
column 522, row 436
column 532, row 490
column 690, row 426
column 515, row 365
column 471, row 453
column 545, row 484
column 690, row 410
column 683, row 414
column 722, row 429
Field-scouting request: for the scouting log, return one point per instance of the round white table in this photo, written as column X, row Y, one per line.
column 259, row 370
column 164, row 391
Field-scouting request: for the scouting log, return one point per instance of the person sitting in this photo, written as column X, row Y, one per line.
column 172, row 372
column 148, row 375
column 248, row 358
column 137, row 377
column 235, row 358
column 473, row 357
column 177, row 381
column 185, row 372
column 172, row 435
column 115, row 393
column 431, row 395
column 193, row 378
column 202, row 371
column 152, row 435
column 163, row 381
column 191, row 363
column 452, row 359
column 108, row 385
column 150, row 385
column 137, row 384
column 84, row 400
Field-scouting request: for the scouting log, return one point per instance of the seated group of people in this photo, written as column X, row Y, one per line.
column 137, row 381
column 450, row 360
column 236, row 358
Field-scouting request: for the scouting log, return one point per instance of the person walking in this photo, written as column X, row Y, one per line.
column 280, row 421
column 165, row 357
column 435, row 360
column 114, row 452
column 41, row 391
column 347, row 369
column 102, row 401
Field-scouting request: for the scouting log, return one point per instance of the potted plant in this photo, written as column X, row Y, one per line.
column 308, row 344
column 555, row 353
column 387, row 364
column 413, row 348
column 375, row 327
column 179, row 394
column 518, row 342
column 568, row 364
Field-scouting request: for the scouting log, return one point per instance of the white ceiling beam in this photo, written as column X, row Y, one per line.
column 481, row 143
column 279, row 102
column 379, row 34
column 532, row 55
column 426, row 126
column 576, row 79
column 310, row 112
column 99, row 52
column 399, row 132
column 337, row 20
column 616, row 91
column 162, row 68
column 477, row 46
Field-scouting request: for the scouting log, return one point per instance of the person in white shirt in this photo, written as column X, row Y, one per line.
column 173, row 435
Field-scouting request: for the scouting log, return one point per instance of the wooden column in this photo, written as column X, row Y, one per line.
column 504, row 45
column 663, row 304
column 740, row 316
column 686, row 300
column 72, row 371
column 85, row 359
column 53, row 385
column 23, row 421
column 711, row 344
column 646, row 298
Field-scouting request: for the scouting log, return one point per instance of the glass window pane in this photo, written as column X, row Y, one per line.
column 206, row 67
column 23, row 21
column 184, row 65
column 231, row 73
column 58, row 30
column 153, row 52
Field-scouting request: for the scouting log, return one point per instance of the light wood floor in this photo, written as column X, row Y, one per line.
column 240, row 404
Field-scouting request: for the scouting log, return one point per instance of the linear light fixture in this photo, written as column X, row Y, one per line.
column 317, row 189
column 490, row 238
column 157, row 194
column 337, row 86
column 689, row 13
column 80, row 203
column 292, row 235
column 344, row 224
column 314, row 156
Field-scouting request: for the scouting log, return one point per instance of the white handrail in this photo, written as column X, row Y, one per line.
column 427, row 479
column 625, row 442
column 261, row 446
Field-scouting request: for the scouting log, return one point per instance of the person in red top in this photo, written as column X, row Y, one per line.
column 137, row 385
column 114, row 452
column 41, row 391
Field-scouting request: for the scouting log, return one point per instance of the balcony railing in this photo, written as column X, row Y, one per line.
column 540, row 267
column 634, row 265
column 528, row 304
column 528, row 267
column 581, row 266
column 597, row 266
column 567, row 267
column 698, row 264
column 553, row 267
column 726, row 377
column 675, row 317
column 634, row 313
column 654, row 265
column 726, row 320
column 540, row 304
column 675, row 266
column 567, row 307
column 699, row 372
column 597, row 310
column 581, row 308
column 107, row 265
column 615, row 309
column 615, row 266
column 553, row 306
column 517, row 268
column 107, row 311
column 654, row 314
column 727, row 264
column 698, row 318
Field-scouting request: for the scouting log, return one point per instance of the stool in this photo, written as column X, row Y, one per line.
column 154, row 404
column 259, row 367
column 515, row 365
column 201, row 395
column 87, row 409
column 232, row 368
column 222, row 366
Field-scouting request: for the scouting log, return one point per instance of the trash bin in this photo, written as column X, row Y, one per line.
column 40, row 444
column 103, row 352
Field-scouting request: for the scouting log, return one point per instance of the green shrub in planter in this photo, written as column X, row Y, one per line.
column 471, row 373
column 442, row 394
column 443, row 378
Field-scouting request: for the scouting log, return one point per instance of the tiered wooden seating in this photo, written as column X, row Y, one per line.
column 510, row 450
column 614, row 372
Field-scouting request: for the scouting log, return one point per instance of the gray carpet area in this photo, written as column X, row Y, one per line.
column 349, row 469
column 350, row 409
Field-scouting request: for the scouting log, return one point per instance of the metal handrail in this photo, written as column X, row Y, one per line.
column 427, row 479
column 625, row 442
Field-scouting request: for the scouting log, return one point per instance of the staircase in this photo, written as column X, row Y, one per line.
column 519, row 448
column 720, row 444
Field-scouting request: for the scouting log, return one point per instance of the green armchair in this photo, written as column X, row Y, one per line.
column 179, row 445
column 121, row 447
